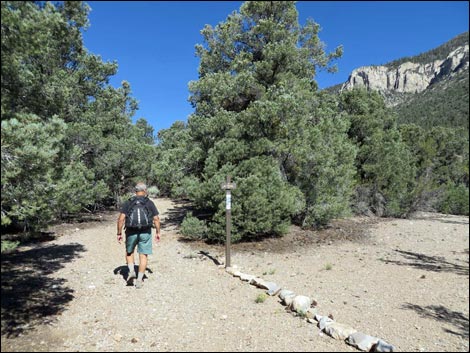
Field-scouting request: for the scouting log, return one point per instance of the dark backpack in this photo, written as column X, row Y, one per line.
column 138, row 215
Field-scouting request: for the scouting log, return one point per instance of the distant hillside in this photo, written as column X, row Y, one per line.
column 439, row 53
column 444, row 104
column 428, row 89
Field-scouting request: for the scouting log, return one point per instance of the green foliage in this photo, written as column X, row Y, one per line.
column 261, row 298
column 455, row 200
column 67, row 137
column 386, row 171
column 153, row 191
column 30, row 151
column 327, row 172
column 193, row 228
column 8, row 245
column 68, row 142
column 442, row 159
column 76, row 189
column 262, row 203
column 444, row 104
column 389, row 173
column 264, row 200
column 174, row 154
column 253, row 115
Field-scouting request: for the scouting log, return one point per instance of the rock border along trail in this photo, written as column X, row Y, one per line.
column 406, row 282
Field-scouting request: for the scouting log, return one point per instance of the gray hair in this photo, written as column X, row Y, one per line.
column 140, row 187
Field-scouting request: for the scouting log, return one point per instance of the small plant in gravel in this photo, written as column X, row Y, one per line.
column 328, row 266
column 190, row 256
column 270, row 272
column 261, row 298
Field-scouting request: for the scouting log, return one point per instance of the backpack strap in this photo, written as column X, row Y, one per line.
column 132, row 201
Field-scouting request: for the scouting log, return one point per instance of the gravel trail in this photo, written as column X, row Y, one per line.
column 405, row 281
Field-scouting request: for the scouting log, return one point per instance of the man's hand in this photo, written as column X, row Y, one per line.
column 119, row 238
column 157, row 236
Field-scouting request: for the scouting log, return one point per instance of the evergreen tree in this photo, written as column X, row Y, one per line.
column 68, row 141
column 441, row 156
column 174, row 155
column 253, row 114
column 326, row 171
column 385, row 165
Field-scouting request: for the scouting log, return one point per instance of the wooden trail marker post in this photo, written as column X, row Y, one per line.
column 228, row 186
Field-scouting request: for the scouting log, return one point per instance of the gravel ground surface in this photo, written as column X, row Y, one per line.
column 405, row 281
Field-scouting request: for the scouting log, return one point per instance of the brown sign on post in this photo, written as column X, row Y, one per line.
column 228, row 214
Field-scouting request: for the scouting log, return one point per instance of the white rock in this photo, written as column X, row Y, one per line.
column 361, row 341
column 246, row 278
column 382, row 346
column 408, row 77
column 311, row 313
column 339, row 331
column 288, row 300
column 286, row 293
column 323, row 321
column 301, row 304
column 271, row 287
column 229, row 270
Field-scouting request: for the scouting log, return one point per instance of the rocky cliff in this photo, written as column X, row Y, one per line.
column 408, row 77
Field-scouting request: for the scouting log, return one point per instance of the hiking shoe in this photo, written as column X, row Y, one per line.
column 139, row 284
column 132, row 276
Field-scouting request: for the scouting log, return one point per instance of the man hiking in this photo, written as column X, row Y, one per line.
column 138, row 214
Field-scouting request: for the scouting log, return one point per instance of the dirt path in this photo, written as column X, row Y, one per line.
column 405, row 282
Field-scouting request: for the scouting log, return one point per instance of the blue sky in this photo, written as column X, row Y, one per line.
column 153, row 41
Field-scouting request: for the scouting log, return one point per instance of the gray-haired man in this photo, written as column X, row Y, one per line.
column 140, row 237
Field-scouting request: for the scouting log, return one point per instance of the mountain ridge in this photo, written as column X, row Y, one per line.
column 430, row 88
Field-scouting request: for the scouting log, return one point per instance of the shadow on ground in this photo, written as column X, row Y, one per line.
column 209, row 256
column 176, row 214
column 442, row 218
column 29, row 296
column 440, row 313
column 124, row 272
column 429, row 263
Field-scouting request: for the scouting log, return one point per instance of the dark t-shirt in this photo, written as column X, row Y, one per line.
column 153, row 212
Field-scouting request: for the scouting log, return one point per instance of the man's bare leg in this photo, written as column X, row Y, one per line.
column 130, row 265
column 142, row 267
column 142, row 263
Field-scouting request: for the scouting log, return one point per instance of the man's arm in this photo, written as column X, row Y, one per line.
column 156, row 223
column 120, row 224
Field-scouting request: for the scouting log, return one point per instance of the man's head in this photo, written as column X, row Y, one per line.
column 140, row 189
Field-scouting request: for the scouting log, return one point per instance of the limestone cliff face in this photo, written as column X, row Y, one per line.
column 408, row 77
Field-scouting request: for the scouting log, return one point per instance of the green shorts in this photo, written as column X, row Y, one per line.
column 143, row 240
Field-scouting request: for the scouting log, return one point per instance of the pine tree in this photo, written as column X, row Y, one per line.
column 68, row 141
column 385, row 165
column 253, row 109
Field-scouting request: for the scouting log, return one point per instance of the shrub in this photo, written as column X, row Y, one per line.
column 193, row 228
column 455, row 200
column 153, row 191
column 8, row 245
